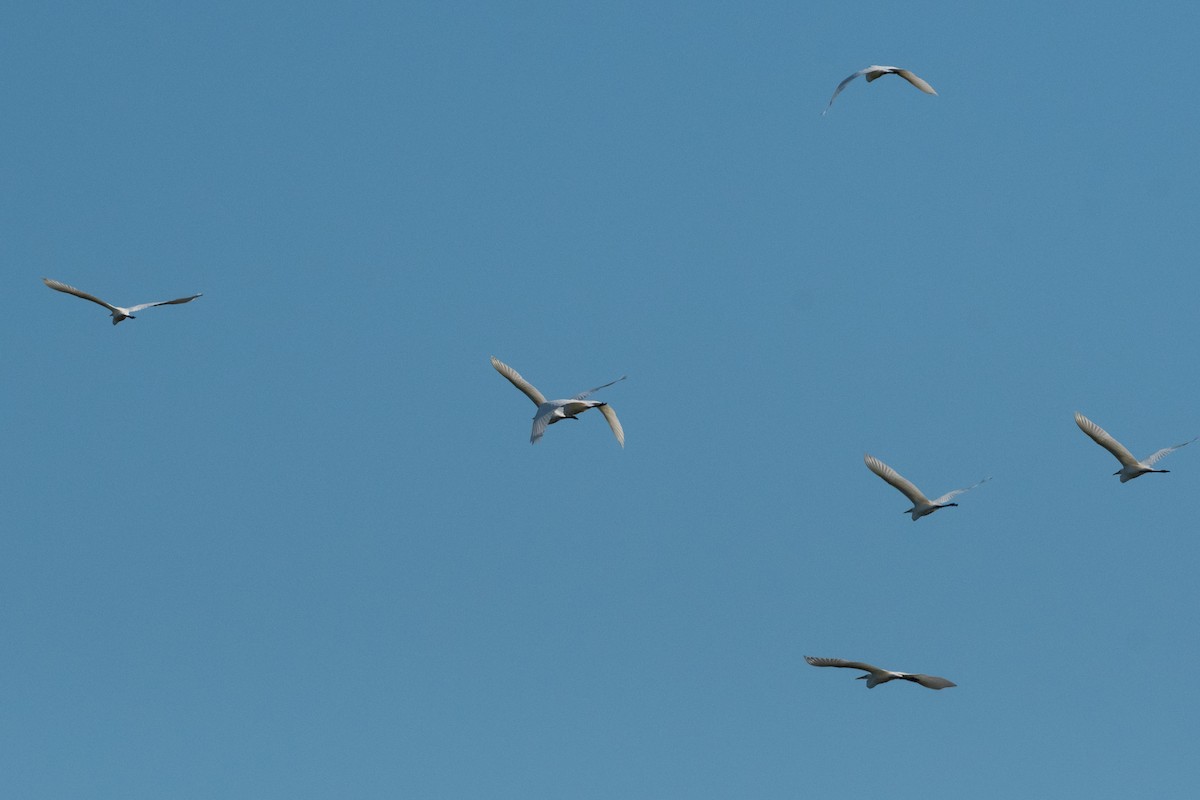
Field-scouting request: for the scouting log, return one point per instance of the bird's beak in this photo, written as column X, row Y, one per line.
column 861, row 678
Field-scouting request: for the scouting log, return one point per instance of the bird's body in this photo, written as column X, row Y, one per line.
column 922, row 505
column 877, row 71
column 118, row 312
column 552, row 411
column 1130, row 467
column 876, row 676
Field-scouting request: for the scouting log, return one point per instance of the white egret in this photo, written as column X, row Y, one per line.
column 118, row 313
column 876, row 676
column 551, row 411
column 1130, row 466
column 875, row 71
column 922, row 505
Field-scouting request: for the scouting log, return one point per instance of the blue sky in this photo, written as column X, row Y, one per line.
column 290, row 540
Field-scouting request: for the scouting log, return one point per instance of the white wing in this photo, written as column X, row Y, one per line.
column 525, row 386
column 894, row 478
column 929, row 681
column 540, row 422
column 1102, row 438
column 59, row 286
column 876, row 71
column 841, row 662
column 1153, row 459
column 174, row 302
column 841, row 86
column 613, row 423
column 917, row 82
column 948, row 495
column 583, row 395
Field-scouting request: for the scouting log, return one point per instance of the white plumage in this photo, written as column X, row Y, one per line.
column 876, row 71
column 1130, row 466
column 552, row 411
column 922, row 505
column 876, row 676
column 118, row 313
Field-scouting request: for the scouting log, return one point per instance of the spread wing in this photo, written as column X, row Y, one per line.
column 540, row 422
column 525, row 386
column 890, row 475
column 841, row 662
column 59, row 286
column 930, row 681
column 174, row 302
column 613, row 423
column 1153, row 459
column 598, row 388
column 917, row 82
column 841, row 86
column 1102, row 438
column 948, row 495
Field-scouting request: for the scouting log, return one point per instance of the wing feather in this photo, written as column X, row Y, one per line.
column 540, row 422
column 583, row 395
column 841, row 86
column 1151, row 460
column 59, row 286
column 525, row 386
column 950, row 495
column 841, row 662
column 174, row 302
column 915, row 81
column 613, row 423
column 890, row 475
column 929, row 681
column 1102, row 438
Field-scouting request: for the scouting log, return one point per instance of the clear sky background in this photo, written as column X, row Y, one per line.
column 291, row 540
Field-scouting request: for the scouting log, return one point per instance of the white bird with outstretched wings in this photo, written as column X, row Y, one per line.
column 876, row 71
column 552, row 411
column 118, row 313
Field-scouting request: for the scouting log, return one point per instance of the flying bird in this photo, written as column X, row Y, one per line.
column 876, row 676
column 551, row 411
column 922, row 505
column 875, row 71
column 118, row 313
column 1130, row 466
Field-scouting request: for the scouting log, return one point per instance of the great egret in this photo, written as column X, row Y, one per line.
column 876, row 71
column 118, row 313
column 922, row 505
column 876, row 676
column 1130, row 466
column 551, row 411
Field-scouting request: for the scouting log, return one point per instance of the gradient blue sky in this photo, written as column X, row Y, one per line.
column 291, row 541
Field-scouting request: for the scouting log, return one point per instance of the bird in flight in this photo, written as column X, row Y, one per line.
column 876, row 676
column 1130, row 466
column 118, row 313
column 875, row 71
column 551, row 411
column 922, row 505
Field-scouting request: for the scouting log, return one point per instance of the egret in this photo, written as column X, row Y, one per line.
column 118, row 313
column 875, row 71
column 1130, row 466
column 876, row 676
column 551, row 411
column 922, row 505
